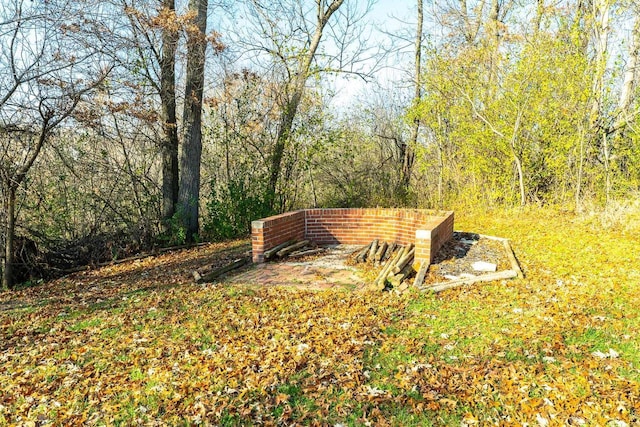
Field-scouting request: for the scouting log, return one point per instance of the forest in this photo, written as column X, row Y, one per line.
column 127, row 125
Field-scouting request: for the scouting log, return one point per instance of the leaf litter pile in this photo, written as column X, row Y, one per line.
column 140, row 343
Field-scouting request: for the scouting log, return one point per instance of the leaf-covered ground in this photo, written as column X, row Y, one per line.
column 138, row 343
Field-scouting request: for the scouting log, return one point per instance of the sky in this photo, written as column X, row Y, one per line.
column 389, row 19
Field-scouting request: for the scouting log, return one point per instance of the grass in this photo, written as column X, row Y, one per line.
column 139, row 343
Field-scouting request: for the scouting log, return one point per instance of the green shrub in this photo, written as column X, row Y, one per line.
column 232, row 208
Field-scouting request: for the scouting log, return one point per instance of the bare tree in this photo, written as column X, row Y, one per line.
column 600, row 16
column 169, row 146
column 408, row 155
column 154, row 33
column 291, row 35
column 152, row 36
column 42, row 82
column 190, row 158
column 297, row 89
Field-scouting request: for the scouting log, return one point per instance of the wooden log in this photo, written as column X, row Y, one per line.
column 406, row 249
column 398, row 278
column 305, row 252
column 372, row 251
column 388, row 266
column 382, row 247
column 515, row 265
column 421, row 274
column 387, row 254
column 362, row 255
column 403, row 251
column 268, row 254
column 406, row 259
column 385, row 269
column 292, row 248
column 212, row 275
column 443, row 286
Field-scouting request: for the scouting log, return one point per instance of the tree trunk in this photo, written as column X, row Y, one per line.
column 601, row 29
column 493, row 34
column 409, row 151
column 516, row 157
column 290, row 109
column 630, row 76
column 606, row 150
column 9, row 232
column 580, row 172
column 470, row 21
column 189, row 192
column 169, row 147
column 537, row 22
column 12, row 183
column 600, row 13
column 494, row 24
column 283, row 136
column 464, row 13
column 440, row 150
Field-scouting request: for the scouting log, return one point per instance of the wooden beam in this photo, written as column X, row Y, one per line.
column 286, row 251
column 372, row 251
column 515, row 266
column 272, row 252
column 406, row 259
column 443, row 286
column 421, row 274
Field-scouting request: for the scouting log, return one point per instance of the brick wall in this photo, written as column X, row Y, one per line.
column 274, row 230
column 430, row 237
column 428, row 229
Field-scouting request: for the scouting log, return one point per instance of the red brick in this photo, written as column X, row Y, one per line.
column 353, row 226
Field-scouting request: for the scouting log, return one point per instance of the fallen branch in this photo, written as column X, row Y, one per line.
column 175, row 248
column 212, row 275
column 443, row 286
column 140, row 256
